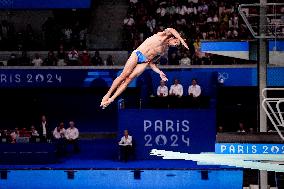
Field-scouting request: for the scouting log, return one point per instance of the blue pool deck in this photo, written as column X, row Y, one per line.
column 96, row 168
column 86, row 164
column 123, row 179
column 103, row 154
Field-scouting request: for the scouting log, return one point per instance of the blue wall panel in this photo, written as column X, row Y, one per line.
column 237, row 45
column 224, row 46
column 64, row 78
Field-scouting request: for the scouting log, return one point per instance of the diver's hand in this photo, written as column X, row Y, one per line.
column 184, row 44
column 163, row 76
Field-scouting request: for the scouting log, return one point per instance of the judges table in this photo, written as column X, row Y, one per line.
column 182, row 102
column 29, row 153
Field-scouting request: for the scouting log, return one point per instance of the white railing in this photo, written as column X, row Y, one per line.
column 275, row 115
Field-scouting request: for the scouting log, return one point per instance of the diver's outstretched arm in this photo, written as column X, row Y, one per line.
column 158, row 71
column 177, row 35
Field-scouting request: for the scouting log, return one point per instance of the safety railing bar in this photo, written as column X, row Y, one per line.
column 279, row 112
column 273, row 112
column 271, row 119
column 270, row 89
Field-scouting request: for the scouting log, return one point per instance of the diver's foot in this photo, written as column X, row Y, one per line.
column 104, row 100
column 106, row 103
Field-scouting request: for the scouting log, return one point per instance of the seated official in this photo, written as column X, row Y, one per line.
column 59, row 138
column 125, row 146
column 14, row 135
column 176, row 92
column 162, row 90
column 72, row 136
column 34, row 134
column 176, row 89
column 194, row 92
column 194, row 89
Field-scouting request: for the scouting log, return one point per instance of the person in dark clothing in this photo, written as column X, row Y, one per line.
column 173, row 60
column 61, row 56
column 97, row 60
column 109, row 61
column 13, row 61
column 44, row 130
column 24, row 60
column 50, row 60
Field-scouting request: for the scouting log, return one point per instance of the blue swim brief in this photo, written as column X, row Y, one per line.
column 141, row 57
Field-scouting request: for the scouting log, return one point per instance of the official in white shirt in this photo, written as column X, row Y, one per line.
column 34, row 132
column 125, row 146
column 176, row 89
column 59, row 139
column 175, row 97
column 194, row 92
column 162, row 90
column 59, row 132
column 194, row 89
column 72, row 136
column 37, row 61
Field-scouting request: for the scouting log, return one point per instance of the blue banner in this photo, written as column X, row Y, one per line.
column 208, row 78
column 276, row 45
column 33, row 78
column 191, row 131
column 237, row 45
column 239, row 148
column 224, row 46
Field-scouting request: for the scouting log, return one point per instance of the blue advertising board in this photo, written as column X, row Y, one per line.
column 242, row 148
column 244, row 49
column 191, row 131
column 224, row 46
column 207, row 78
column 237, row 45
column 33, row 78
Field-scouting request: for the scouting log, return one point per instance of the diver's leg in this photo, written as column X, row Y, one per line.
column 128, row 68
column 139, row 69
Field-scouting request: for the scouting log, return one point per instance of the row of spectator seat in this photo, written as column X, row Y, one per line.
column 194, row 19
